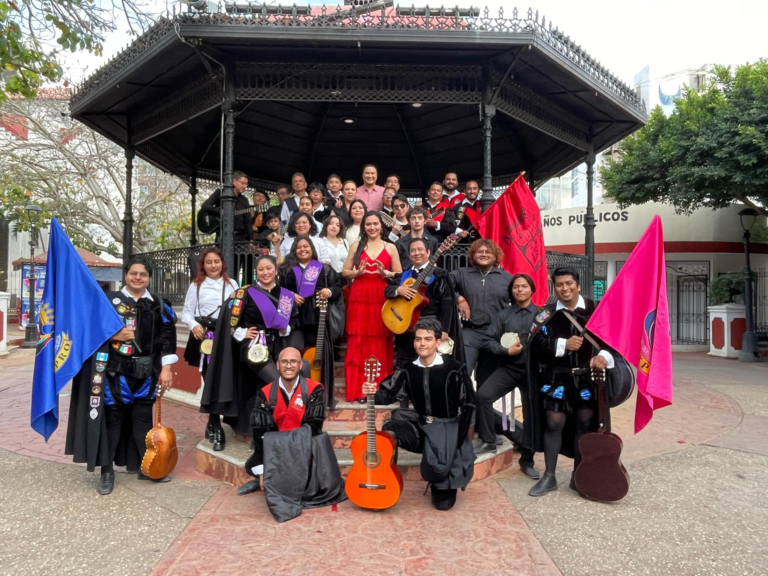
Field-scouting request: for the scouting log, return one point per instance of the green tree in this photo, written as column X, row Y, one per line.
column 712, row 151
column 34, row 33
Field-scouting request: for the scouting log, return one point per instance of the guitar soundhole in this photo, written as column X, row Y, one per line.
column 372, row 460
column 316, row 364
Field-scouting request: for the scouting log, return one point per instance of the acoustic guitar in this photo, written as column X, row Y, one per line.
column 399, row 314
column 209, row 222
column 314, row 354
column 601, row 476
column 161, row 456
column 389, row 221
column 374, row 482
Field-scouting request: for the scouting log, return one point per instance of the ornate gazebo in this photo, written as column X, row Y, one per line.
column 273, row 90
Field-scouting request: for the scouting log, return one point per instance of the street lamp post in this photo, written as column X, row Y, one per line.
column 749, row 340
column 30, row 335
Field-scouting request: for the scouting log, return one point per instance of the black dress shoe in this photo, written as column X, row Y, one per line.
column 162, row 480
column 219, row 440
column 485, row 447
column 107, row 483
column 529, row 471
column 548, row 483
column 209, row 432
column 249, row 487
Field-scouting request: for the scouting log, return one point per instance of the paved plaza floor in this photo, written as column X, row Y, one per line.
column 696, row 505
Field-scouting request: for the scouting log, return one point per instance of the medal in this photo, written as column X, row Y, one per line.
column 446, row 347
column 258, row 354
column 206, row 346
column 509, row 339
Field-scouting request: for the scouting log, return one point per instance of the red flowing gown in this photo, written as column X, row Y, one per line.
column 366, row 333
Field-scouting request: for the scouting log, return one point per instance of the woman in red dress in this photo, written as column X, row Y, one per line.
column 370, row 262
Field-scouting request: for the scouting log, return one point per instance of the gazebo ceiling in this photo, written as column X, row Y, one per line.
column 296, row 78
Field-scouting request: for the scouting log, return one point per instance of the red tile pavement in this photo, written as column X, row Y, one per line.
column 483, row 534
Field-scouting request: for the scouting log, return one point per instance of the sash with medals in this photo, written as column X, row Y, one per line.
column 275, row 318
column 307, row 281
column 128, row 315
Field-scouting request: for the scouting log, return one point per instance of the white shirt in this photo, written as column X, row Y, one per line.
column 337, row 254
column 438, row 361
column 322, row 252
column 561, row 341
column 170, row 358
column 210, row 300
column 353, row 233
column 292, row 390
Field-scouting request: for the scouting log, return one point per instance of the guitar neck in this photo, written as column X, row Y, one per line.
column 424, row 274
column 320, row 334
column 371, row 425
column 159, row 395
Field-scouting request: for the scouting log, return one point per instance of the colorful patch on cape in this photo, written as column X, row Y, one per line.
column 96, row 390
column 97, row 379
column 94, row 414
column 233, row 322
column 236, row 302
column 100, row 366
column 236, row 311
column 543, row 315
column 95, row 401
column 240, row 293
column 102, row 357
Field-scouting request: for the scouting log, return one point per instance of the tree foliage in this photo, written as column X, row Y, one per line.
column 34, row 33
column 712, row 151
column 79, row 177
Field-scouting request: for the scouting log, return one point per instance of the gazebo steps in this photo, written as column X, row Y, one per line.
column 228, row 464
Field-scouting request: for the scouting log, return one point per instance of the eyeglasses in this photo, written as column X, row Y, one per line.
column 289, row 362
column 398, row 206
column 137, row 275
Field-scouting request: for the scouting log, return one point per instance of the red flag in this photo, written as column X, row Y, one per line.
column 514, row 222
column 16, row 125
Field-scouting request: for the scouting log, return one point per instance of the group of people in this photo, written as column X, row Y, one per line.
column 267, row 356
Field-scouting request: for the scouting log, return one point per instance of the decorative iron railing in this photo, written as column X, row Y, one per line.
column 172, row 270
column 407, row 20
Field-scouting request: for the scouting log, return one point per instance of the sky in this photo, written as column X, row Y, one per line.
column 669, row 35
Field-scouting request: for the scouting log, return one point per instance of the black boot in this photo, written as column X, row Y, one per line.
column 485, row 447
column 548, row 483
column 163, row 480
column 249, row 487
column 209, row 432
column 529, row 470
column 107, row 483
column 219, row 440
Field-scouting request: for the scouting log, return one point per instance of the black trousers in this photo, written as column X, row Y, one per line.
column 140, row 423
column 503, row 381
column 478, row 359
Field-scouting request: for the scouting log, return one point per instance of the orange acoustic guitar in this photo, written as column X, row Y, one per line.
column 374, row 481
column 161, row 456
column 314, row 355
column 399, row 314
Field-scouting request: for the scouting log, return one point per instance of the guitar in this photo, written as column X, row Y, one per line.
column 399, row 314
column 314, row 355
column 161, row 456
column 436, row 214
column 374, row 481
column 601, row 476
column 389, row 221
column 210, row 222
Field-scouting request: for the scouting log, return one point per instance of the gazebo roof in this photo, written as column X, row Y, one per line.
column 412, row 81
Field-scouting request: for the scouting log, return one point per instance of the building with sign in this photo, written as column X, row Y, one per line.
column 699, row 247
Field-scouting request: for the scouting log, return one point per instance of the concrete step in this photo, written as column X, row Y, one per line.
column 228, row 465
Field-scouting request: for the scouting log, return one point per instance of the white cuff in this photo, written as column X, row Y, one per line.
column 608, row 358
column 437, row 227
column 258, row 470
column 172, row 359
column 239, row 334
column 459, row 230
column 285, row 332
column 393, row 237
column 560, row 352
column 191, row 325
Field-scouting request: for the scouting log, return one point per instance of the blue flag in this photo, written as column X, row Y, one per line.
column 76, row 318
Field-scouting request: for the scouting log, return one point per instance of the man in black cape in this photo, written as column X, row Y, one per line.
column 563, row 402
column 112, row 396
column 442, row 303
column 438, row 425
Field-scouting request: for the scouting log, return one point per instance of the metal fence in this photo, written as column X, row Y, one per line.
column 761, row 303
column 173, row 269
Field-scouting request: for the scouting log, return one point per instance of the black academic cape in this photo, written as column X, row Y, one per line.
column 442, row 305
column 443, row 392
column 86, row 438
column 309, row 316
column 231, row 381
column 548, row 326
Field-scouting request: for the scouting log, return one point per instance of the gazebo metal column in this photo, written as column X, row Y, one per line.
column 130, row 153
column 227, row 192
column 587, row 283
column 193, row 194
column 488, row 111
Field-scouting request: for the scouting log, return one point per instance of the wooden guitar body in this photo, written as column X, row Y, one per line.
column 601, row 476
column 400, row 314
column 310, row 355
column 374, row 483
column 161, row 456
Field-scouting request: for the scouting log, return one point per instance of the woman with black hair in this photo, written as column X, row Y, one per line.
column 302, row 224
column 317, row 194
column 515, row 322
column 357, row 211
column 370, row 262
column 258, row 318
column 311, row 282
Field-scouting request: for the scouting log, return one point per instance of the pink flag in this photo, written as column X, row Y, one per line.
column 633, row 318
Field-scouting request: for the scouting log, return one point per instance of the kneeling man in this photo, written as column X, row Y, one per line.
column 438, row 425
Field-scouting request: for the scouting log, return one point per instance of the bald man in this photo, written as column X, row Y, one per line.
column 280, row 406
